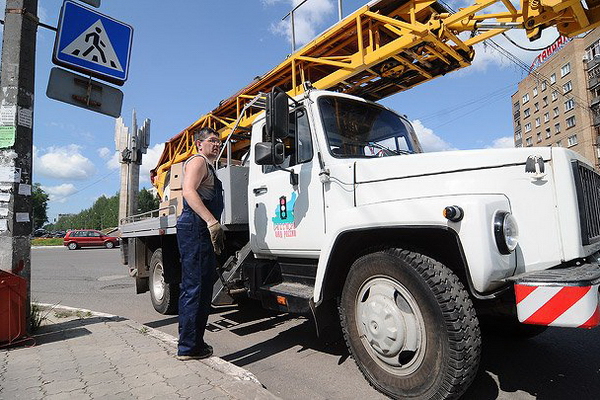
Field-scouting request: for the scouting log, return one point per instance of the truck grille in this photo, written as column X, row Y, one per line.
column 587, row 183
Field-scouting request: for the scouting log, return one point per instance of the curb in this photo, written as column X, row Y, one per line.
column 216, row 363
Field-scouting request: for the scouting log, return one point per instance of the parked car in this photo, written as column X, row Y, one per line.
column 88, row 238
column 40, row 232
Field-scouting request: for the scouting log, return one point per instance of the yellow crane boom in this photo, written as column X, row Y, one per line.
column 383, row 48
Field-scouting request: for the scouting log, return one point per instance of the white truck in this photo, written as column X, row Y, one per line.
column 336, row 212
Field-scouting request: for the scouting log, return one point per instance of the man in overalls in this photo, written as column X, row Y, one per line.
column 199, row 236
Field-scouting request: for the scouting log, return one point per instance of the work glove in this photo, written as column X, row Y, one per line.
column 217, row 237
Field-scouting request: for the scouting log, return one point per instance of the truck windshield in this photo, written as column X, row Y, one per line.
column 358, row 129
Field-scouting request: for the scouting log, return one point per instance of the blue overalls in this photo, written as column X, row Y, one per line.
column 198, row 271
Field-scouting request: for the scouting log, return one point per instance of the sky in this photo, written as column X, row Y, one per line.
column 187, row 55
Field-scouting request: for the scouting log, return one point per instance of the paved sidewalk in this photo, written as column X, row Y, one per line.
column 81, row 354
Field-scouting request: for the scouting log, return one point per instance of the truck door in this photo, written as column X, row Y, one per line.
column 289, row 217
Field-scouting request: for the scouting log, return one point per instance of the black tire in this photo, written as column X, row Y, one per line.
column 410, row 326
column 109, row 244
column 164, row 296
column 73, row 246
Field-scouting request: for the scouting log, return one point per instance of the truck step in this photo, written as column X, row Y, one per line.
column 287, row 296
column 229, row 277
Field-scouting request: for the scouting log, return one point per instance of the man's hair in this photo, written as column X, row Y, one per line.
column 204, row 133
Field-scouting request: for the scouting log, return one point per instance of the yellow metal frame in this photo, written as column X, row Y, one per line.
column 379, row 50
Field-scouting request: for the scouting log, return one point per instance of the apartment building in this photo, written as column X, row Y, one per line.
column 558, row 103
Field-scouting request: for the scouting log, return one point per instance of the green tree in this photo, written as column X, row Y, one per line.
column 39, row 198
column 146, row 201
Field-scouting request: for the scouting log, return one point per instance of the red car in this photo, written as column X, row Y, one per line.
column 87, row 238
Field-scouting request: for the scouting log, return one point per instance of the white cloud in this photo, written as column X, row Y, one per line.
column 114, row 161
column 63, row 163
column 60, row 193
column 103, row 152
column 307, row 19
column 149, row 161
column 429, row 140
column 503, row 143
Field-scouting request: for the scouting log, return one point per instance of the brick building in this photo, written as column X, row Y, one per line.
column 558, row 103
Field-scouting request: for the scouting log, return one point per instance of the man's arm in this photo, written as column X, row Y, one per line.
column 195, row 172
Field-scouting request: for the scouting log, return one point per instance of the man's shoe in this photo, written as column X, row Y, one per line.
column 205, row 352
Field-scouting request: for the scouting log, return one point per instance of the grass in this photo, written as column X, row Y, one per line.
column 47, row 242
column 38, row 314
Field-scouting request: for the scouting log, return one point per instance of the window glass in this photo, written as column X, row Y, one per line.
column 357, row 129
column 565, row 69
column 552, row 79
column 572, row 140
column 298, row 143
column 571, row 121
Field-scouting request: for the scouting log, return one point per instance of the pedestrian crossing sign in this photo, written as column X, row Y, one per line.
column 93, row 43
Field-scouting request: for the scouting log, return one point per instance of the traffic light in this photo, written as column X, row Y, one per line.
column 282, row 207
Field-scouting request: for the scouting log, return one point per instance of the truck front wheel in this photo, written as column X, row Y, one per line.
column 164, row 296
column 410, row 325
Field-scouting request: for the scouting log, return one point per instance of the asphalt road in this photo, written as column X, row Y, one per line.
column 286, row 356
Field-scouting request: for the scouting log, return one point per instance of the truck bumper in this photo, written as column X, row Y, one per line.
column 566, row 297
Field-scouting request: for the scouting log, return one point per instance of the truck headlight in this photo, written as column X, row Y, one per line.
column 506, row 232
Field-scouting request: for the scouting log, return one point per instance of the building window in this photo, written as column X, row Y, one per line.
column 525, row 98
column 552, row 79
column 536, row 107
column 528, row 141
column 539, row 137
column 569, row 105
column 516, row 105
column 545, row 101
column 556, row 112
column 526, row 113
column 572, row 140
column 554, row 95
column 548, row 133
column 556, row 129
column 593, row 50
column 537, row 122
column 535, row 91
column 558, row 143
column 546, row 117
column 518, row 136
column 528, row 127
column 565, row 69
column 571, row 122
column 543, row 85
column 567, row 87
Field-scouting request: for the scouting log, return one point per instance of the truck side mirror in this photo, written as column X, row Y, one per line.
column 277, row 114
column 267, row 153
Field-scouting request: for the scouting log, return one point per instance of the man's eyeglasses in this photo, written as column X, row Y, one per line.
column 213, row 141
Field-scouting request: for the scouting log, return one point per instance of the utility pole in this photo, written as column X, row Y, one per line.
column 16, row 137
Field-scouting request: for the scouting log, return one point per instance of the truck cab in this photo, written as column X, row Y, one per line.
column 337, row 213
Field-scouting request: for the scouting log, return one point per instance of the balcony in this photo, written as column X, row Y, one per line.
column 593, row 82
column 596, row 120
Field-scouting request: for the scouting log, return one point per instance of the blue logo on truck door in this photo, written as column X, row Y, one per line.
column 283, row 221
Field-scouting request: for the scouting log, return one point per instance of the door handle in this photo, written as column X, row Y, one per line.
column 260, row 190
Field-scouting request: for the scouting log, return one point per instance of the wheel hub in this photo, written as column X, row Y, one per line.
column 158, row 282
column 390, row 323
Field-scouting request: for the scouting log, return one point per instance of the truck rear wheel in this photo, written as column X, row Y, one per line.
column 410, row 325
column 164, row 296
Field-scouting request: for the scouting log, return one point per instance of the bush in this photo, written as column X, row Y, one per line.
column 47, row 242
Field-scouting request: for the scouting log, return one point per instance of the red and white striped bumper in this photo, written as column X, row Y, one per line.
column 559, row 297
column 566, row 306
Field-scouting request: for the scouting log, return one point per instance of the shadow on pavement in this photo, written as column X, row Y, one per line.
column 162, row 322
column 538, row 367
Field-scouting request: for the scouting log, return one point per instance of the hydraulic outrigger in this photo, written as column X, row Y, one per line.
column 385, row 47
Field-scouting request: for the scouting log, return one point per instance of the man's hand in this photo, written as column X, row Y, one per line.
column 217, row 237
